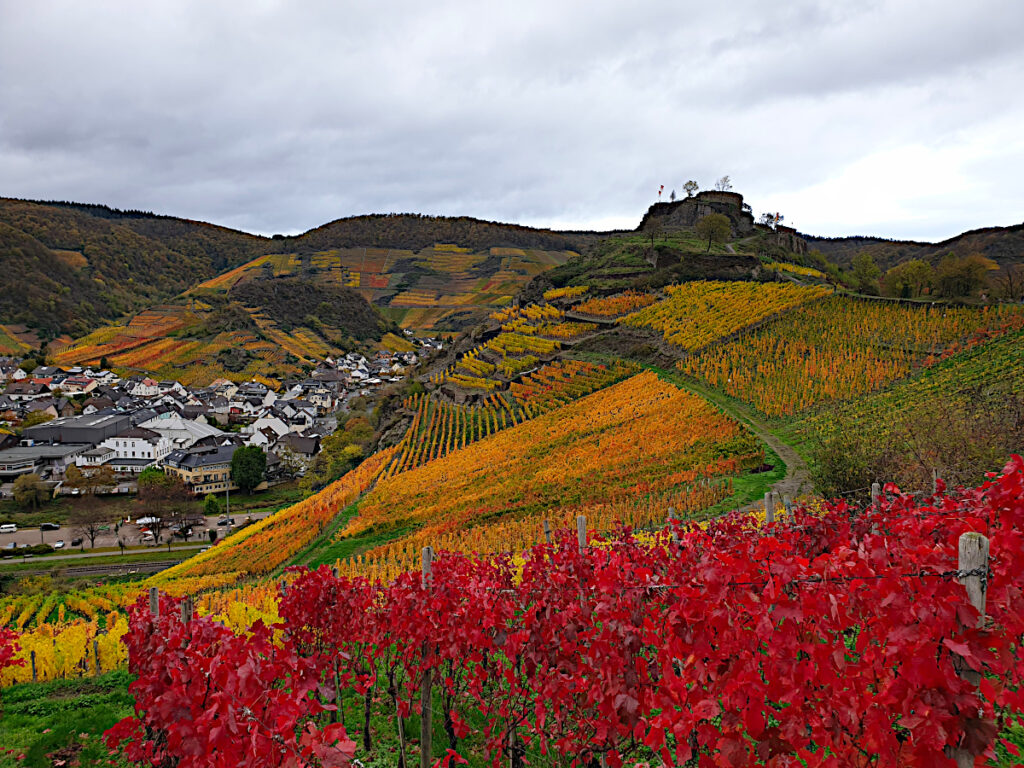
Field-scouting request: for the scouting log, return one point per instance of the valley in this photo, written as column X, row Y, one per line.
column 626, row 510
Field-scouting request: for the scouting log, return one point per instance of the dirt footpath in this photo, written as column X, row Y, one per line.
column 798, row 477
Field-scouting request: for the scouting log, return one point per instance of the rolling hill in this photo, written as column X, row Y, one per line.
column 1004, row 245
column 267, row 306
column 69, row 268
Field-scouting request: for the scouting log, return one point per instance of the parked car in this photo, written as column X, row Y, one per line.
column 10, row 545
column 226, row 521
column 58, row 544
column 77, row 542
column 49, row 526
column 8, row 528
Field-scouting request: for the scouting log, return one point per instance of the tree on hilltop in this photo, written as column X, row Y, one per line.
column 724, row 184
column 715, row 227
column 691, row 187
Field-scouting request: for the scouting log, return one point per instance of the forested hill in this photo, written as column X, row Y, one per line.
column 1004, row 245
column 68, row 268
column 409, row 231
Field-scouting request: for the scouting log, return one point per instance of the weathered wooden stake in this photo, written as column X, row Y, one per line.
column 32, row 658
column 154, row 602
column 769, row 508
column 427, row 685
column 186, row 610
column 935, row 481
column 672, row 524
column 96, row 654
column 876, row 491
column 334, row 571
column 973, row 567
column 581, row 532
column 284, row 586
column 547, row 532
column 974, row 555
column 788, row 504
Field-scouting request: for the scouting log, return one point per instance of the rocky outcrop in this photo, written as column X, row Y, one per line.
column 688, row 211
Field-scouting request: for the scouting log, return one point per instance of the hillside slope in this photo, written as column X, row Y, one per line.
column 79, row 266
column 70, row 267
column 1004, row 245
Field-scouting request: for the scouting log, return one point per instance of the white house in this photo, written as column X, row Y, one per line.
column 146, row 387
column 139, row 443
column 267, row 422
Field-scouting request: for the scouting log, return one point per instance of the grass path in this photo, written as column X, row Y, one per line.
column 798, row 477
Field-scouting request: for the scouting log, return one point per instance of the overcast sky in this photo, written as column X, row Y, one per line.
column 894, row 118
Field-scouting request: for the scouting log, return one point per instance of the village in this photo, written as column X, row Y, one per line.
column 84, row 430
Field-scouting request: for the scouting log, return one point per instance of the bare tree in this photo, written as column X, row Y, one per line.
column 161, row 500
column 1010, row 282
column 723, row 184
column 90, row 517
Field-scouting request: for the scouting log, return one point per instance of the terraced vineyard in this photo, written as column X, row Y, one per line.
column 970, row 378
column 529, row 335
column 620, row 444
column 619, row 304
column 263, row 546
column 443, row 287
column 839, row 349
column 700, row 313
column 440, row 427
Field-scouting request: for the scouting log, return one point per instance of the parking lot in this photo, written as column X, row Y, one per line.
column 129, row 533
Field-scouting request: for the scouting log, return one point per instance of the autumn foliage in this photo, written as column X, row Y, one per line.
column 832, row 639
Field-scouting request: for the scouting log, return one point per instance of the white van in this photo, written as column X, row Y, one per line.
column 8, row 528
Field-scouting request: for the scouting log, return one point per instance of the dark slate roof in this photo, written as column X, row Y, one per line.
column 203, row 457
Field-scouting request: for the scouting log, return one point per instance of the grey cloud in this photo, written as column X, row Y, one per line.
column 274, row 116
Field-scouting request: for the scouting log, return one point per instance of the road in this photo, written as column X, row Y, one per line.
column 74, row 554
column 129, row 532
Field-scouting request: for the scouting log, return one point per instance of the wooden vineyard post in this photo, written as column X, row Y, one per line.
column 935, row 481
column 876, row 492
column 769, row 508
column 547, row 532
column 32, row 658
column 581, row 540
column 672, row 524
column 154, row 602
column 426, row 687
column 96, row 654
column 334, row 571
column 186, row 610
column 973, row 574
column 788, row 504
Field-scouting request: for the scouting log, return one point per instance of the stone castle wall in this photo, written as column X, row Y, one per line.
column 688, row 211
